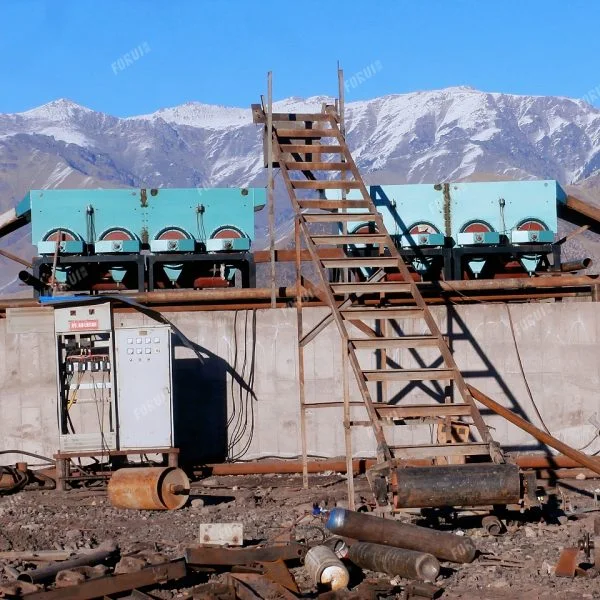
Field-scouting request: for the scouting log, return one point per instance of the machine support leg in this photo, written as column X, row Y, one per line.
column 141, row 274
column 61, row 473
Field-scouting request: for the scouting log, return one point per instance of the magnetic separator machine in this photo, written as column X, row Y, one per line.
column 140, row 239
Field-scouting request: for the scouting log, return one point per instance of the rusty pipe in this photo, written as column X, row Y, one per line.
column 394, row 561
column 576, row 265
column 492, row 524
column 475, row 484
column 359, row 465
column 547, row 462
column 368, row 528
column 104, row 551
column 579, row 457
column 571, row 473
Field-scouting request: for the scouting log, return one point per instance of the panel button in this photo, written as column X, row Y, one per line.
column 138, row 340
column 130, row 340
column 156, row 350
column 129, row 350
column 139, row 350
column 157, row 340
column 148, row 350
column 148, row 340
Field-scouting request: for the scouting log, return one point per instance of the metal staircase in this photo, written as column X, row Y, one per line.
column 318, row 171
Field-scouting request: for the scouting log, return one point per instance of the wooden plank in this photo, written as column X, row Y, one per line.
column 339, row 217
column 317, row 166
column 382, row 313
column 303, row 117
column 261, row 256
column 331, row 204
column 353, row 238
column 300, row 184
column 416, row 411
column 405, row 341
column 408, row 374
column 385, row 287
column 311, row 148
column 292, row 133
column 435, row 450
column 359, row 262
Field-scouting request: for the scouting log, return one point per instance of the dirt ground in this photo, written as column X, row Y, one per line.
column 269, row 505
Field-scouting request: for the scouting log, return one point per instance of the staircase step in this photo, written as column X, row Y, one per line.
column 352, row 238
column 368, row 287
column 311, row 149
column 416, row 411
column 339, row 217
column 302, row 117
column 409, row 374
column 332, row 204
column 360, row 262
column 317, row 166
column 405, row 341
column 306, row 133
column 363, row 312
column 435, row 450
column 335, row 184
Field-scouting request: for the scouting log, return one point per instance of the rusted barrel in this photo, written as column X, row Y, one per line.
column 395, row 561
column 326, row 568
column 149, row 488
column 368, row 528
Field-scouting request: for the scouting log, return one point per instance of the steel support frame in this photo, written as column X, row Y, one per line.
column 513, row 251
column 109, row 260
column 243, row 261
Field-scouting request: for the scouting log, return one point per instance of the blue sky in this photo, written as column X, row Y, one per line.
column 219, row 51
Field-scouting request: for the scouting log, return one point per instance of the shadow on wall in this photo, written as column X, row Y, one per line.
column 204, row 431
column 457, row 329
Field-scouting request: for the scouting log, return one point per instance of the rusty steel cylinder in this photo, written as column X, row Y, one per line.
column 395, row 561
column 368, row 528
column 326, row 568
column 149, row 488
column 456, row 485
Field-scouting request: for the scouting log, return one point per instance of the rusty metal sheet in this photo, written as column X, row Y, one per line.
column 210, row 556
column 114, row 584
column 250, row 586
column 277, row 572
column 567, row 563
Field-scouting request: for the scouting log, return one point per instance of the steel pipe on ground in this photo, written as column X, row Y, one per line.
column 368, row 528
column 48, row 573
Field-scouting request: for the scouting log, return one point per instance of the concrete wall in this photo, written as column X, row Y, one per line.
column 244, row 398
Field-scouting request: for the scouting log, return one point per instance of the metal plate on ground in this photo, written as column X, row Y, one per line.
column 222, row 534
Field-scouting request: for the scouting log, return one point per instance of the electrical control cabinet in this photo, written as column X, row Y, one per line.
column 114, row 385
column 143, row 366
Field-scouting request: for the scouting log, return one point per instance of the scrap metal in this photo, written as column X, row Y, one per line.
column 114, row 584
column 210, row 556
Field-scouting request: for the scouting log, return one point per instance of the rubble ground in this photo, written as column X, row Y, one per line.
column 518, row 564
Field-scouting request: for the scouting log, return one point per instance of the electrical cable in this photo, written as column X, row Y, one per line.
column 537, row 412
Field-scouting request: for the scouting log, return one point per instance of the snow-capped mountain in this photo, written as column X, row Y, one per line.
column 430, row 136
